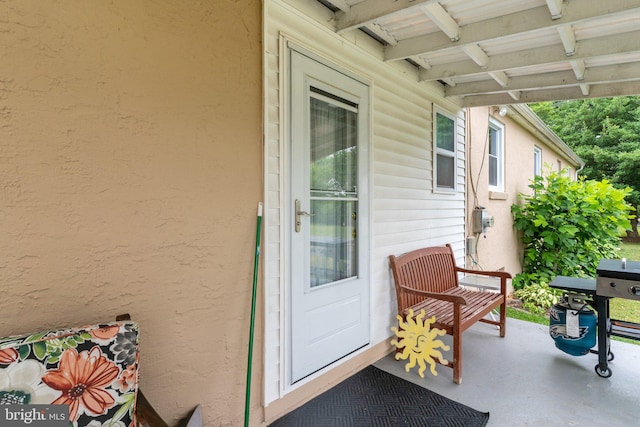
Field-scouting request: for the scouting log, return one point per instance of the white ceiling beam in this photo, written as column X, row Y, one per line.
column 568, row 38
column 341, row 4
column 449, row 82
column 443, row 20
column 382, row 34
column 423, row 63
column 579, row 68
column 555, row 7
column 585, row 89
column 476, row 53
column 500, row 77
column 599, row 91
column 508, row 25
column 515, row 94
column 366, row 12
column 585, row 49
column 608, row 74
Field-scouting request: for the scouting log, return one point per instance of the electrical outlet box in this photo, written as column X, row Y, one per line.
column 481, row 220
column 471, row 245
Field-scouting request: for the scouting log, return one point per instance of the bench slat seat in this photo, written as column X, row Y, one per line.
column 428, row 279
column 474, row 310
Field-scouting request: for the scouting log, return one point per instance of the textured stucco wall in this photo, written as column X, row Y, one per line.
column 500, row 246
column 130, row 171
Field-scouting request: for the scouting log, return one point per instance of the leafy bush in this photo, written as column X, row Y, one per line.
column 567, row 226
column 538, row 298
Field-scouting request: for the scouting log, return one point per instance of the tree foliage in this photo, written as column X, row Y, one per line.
column 567, row 226
column 605, row 133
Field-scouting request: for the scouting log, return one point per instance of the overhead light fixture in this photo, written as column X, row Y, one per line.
column 503, row 110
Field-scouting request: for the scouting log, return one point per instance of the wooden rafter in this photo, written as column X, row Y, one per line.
column 482, row 53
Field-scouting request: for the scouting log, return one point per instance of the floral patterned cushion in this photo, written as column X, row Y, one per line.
column 92, row 369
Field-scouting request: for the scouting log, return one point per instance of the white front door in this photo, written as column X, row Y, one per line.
column 329, row 247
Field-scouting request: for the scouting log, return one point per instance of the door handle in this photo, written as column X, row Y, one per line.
column 300, row 213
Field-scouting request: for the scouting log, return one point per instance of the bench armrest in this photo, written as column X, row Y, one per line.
column 456, row 299
column 503, row 275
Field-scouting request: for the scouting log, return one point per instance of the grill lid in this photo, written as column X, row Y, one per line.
column 613, row 268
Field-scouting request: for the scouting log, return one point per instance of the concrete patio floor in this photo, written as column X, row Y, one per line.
column 524, row 380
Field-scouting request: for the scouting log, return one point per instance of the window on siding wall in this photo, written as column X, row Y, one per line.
column 445, row 151
column 537, row 161
column 496, row 156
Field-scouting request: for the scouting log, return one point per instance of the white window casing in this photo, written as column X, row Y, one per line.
column 496, row 156
column 537, row 161
column 444, row 151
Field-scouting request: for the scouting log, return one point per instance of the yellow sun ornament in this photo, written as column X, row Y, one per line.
column 419, row 342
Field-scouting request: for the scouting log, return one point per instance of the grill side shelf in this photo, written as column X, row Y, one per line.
column 623, row 329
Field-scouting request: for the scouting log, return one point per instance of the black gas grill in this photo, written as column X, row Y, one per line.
column 615, row 279
column 618, row 279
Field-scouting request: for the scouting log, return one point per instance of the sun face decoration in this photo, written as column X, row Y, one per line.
column 419, row 342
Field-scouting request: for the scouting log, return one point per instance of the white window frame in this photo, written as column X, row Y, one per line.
column 537, row 161
column 444, row 152
column 499, row 155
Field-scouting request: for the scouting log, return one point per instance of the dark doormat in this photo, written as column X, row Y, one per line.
column 375, row 398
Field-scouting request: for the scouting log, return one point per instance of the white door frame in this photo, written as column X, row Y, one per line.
column 286, row 219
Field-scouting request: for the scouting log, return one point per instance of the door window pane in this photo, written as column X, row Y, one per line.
column 333, row 193
column 333, row 241
column 334, row 134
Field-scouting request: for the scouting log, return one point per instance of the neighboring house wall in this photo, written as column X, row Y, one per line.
column 406, row 212
column 524, row 134
column 130, row 170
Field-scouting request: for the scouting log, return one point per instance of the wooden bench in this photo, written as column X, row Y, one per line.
column 428, row 279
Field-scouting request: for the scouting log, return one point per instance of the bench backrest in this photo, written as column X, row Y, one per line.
column 429, row 269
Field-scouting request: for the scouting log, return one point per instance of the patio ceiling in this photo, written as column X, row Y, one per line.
column 493, row 52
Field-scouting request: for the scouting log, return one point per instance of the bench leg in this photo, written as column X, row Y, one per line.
column 503, row 319
column 457, row 357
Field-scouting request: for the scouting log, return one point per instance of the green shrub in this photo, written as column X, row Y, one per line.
column 538, row 298
column 567, row 226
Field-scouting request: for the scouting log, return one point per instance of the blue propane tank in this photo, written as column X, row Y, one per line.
column 573, row 336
